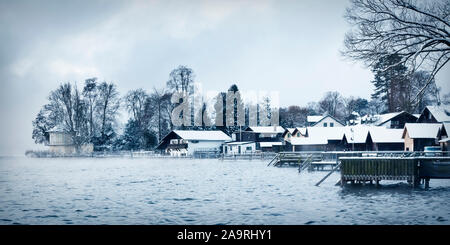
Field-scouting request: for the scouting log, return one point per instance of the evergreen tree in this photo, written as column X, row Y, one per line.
column 391, row 83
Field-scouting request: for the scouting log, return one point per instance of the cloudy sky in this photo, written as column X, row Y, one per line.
column 286, row 46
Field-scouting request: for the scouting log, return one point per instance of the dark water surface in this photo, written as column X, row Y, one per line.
column 173, row 191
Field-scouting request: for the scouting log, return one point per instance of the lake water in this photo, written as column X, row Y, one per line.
column 176, row 191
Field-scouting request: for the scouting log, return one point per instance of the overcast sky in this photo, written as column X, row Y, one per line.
column 286, row 46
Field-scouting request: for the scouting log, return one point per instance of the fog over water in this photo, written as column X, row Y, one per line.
column 176, row 191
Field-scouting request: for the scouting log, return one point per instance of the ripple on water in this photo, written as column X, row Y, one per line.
column 47, row 216
column 184, row 199
column 202, row 192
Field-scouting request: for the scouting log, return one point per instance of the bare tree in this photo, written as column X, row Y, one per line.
column 90, row 95
column 135, row 101
column 293, row 116
column 332, row 104
column 107, row 105
column 181, row 80
column 418, row 32
column 161, row 102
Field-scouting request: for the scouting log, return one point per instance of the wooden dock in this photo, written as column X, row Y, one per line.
column 414, row 170
column 371, row 166
column 248, row 156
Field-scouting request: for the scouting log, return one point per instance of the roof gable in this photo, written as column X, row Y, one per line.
column 440, row 113
column 421, row 130
column 266, row 129
column 328, row 116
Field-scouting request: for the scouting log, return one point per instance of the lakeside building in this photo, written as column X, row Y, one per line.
column 298, row 132
column 237, row 147
column 266, row 138
column 259, row 134
column 357, row 138
column 443, row 136
column 435, row 114
column 389, row 120
column 348, row 138
column 61, row 142
column 318, row 139
column 187, row 142
column 386, row 139
column 418, row 135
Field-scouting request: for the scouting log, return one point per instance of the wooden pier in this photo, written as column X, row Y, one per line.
column 248, row 156
column 304, row 160
column 371, row 166
column 414, row 170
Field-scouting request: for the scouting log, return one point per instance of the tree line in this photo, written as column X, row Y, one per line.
column 90, row 114
column 405, row 43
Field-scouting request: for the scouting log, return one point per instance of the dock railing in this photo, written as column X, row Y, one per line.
column 331, row 158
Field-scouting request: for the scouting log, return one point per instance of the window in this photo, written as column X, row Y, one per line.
column 298, row 134
column 289, row 135
column 248, row 148
column 331, row 124
column 194, row 141
column 324, row 124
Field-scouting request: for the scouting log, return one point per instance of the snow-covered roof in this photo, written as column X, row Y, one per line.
column 356, row 134
column 290, row 130
column 313, row 119
column 239, row 142
column 309, row 141
column 213, row 135
column 267, row 129
column 329, row 133
column 269, row 144
column 328, row 116
column 386, row 135
column 440, row 113
column 57, row 129
column 302, row 130
column 386, row 117
column 446, row 125
column 444, row 140
column 421, row 130
column 319, row 135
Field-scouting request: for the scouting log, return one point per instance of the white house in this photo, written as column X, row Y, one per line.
column 328, row 121
column 237, row 147
column 187, row 142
